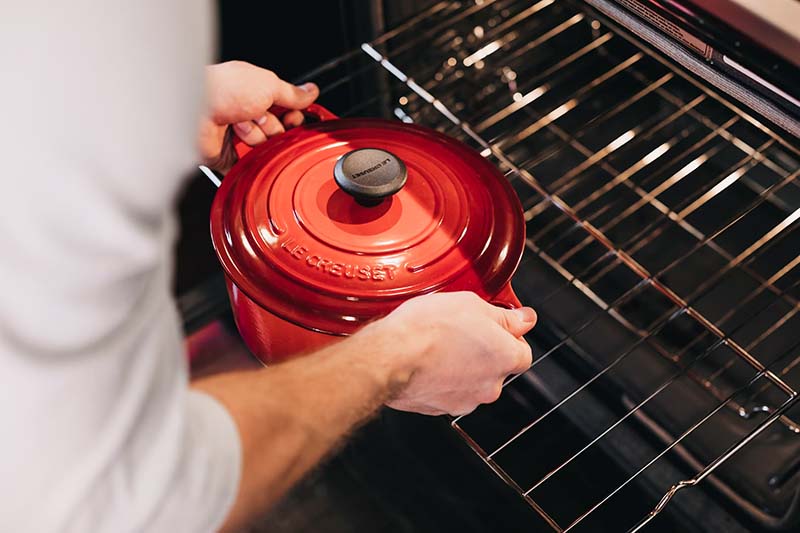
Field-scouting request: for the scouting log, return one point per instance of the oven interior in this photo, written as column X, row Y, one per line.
column 662, row 257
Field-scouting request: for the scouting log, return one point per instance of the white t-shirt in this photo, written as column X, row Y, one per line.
column 99, row 105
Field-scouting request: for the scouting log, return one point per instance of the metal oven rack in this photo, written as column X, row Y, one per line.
column 663, row 227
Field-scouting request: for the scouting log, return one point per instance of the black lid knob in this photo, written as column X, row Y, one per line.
column 370, row 174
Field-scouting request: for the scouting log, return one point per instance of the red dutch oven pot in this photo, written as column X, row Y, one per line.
column 336, row 223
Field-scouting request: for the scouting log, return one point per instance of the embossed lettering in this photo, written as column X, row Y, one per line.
column 371, row 169
column 377, row 272
column 288, row 244
column 296, row 250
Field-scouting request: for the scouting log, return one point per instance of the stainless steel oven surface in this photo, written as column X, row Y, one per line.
column 663, row 230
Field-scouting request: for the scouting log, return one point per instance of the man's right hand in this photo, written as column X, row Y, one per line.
column 440, row 353
column 459, row 350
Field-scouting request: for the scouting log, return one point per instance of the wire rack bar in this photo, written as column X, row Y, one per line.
column 708, row 470
column 699, row 153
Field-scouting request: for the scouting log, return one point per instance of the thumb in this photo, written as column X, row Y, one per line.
column 517, row 321
column 295, row 96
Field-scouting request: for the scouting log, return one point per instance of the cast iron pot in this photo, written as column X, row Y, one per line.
column 335, row 223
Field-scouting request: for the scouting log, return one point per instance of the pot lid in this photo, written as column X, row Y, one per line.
column 333, row 224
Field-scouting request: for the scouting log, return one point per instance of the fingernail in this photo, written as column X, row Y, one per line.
column 261, row 121
column 526, row 314
column 308, row 87
column 243, row 128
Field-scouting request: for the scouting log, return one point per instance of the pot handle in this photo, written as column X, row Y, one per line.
column 506, row 298
column 314, row 111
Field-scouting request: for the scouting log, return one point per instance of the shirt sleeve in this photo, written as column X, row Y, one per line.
column 101, row 432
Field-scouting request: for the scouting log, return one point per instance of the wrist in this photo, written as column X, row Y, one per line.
column 393, row 351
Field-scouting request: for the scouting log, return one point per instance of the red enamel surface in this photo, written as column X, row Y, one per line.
column 295, row 246
column 271, row 338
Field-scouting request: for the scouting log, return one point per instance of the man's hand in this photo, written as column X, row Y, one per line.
column 459, row 351
column 239, row 95
column 440, row 353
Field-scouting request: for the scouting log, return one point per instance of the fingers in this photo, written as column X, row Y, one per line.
column 239, row 94
column 518, row 322
column 293, row 96
column 512, row 355
column 249, row 132
column 258, row 131
column 293, row 119
column 270, row 125
column 516, row 355
column 522, row 357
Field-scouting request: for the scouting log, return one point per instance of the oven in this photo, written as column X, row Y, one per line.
column 654, row 147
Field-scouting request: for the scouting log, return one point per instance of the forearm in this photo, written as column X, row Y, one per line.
column 290, row 415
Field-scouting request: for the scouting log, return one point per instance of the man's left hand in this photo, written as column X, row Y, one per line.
column 240, row 96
